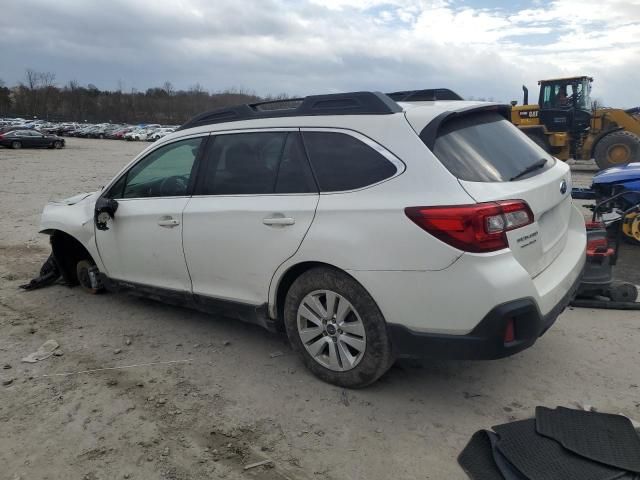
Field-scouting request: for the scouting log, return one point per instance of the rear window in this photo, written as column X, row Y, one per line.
column 485, row 147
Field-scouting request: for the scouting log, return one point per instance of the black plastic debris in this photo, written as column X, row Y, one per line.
column 49, row 273
column 605, row 438
column 477, row 458
column 541, row 458
column 562, row 444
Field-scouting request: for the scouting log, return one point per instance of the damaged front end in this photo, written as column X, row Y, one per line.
column 74, row 256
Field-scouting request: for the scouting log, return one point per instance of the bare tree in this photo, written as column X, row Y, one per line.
column 33, row 78
column 168, row 87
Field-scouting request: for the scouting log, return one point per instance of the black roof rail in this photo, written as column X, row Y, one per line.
column 428, row 95
column 353, row 103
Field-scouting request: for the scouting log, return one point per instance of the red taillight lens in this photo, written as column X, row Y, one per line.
column 510, row 331
column 475, row 228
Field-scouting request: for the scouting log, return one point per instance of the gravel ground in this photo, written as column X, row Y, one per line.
column 234, row 394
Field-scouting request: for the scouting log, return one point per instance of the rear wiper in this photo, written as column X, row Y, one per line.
column 531, row 168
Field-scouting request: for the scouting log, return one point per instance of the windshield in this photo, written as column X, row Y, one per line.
column 566, row 94
column 485, row 147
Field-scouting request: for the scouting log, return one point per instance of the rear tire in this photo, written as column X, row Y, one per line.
column 57, row 144
column 16, row 145
column 336, row 361
column 616, row 149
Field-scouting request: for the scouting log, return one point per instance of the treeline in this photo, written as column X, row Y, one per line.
column 39, row 96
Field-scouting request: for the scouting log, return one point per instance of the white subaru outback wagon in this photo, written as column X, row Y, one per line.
column 368, row 226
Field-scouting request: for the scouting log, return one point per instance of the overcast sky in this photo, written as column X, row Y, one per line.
column 480, row 48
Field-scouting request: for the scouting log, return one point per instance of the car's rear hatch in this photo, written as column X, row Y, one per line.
column 535, row 246
column 494, row 161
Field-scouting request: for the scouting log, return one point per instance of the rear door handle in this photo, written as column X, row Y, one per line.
column 279, row 221
column 168, row 222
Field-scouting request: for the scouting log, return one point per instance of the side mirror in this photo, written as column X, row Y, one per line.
column 105, row 210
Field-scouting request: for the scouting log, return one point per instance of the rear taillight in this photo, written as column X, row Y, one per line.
column 478, row 228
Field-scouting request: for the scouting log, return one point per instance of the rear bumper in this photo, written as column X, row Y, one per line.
column 486, row 341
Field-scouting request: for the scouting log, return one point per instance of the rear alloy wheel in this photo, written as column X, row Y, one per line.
column 337, row 328
column 331, row 330
column 616, row 149
column 57, row 144
column 16, row 144
column 83, row 273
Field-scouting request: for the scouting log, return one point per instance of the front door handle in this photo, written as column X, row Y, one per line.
column 168, row 222
column 279, row 221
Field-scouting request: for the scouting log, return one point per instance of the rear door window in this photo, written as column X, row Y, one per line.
column 485, row 147
column 342, row 162
column 257, row 163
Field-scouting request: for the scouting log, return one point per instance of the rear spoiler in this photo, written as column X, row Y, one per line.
column 430, row 132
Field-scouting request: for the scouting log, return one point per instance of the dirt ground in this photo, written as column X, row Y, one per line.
column 235, row 394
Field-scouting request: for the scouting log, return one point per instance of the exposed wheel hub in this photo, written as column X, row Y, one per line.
column 619, row 154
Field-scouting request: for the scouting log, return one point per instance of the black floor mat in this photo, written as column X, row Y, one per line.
column 477, row 458
column 605, row 438
column 541, row 458
column 509, row 472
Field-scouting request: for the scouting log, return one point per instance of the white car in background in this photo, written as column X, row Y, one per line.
column 367, row 228
column 159, row 133
column 140, row 134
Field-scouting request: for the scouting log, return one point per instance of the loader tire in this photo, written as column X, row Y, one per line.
column 616, row 149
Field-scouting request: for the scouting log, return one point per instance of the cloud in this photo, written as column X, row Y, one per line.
column 313, row 46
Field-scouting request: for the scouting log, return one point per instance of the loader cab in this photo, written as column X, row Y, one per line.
column 565, row 104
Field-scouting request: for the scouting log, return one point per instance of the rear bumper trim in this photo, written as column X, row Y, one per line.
column 486, row 341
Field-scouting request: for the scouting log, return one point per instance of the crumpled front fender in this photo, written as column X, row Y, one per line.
column 73, row 216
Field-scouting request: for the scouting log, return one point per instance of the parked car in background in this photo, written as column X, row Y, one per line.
column 160, row 133
column 28, row 138
column 119, row 133
column 141, row 134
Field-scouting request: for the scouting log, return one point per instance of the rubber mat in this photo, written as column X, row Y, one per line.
column 477, row 458
column 605, row 438
column 508, row 471
column 541, row 458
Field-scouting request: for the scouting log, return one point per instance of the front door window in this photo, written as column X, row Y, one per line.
column 165, row 172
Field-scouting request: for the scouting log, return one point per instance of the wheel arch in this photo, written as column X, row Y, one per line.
column 67, row 250
column 285, row 280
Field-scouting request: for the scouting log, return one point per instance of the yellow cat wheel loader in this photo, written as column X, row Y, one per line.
column 567, row 125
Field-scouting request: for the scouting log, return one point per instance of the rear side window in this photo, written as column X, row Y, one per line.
column 342, row 162
column 257, row 163
column 485, row 147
